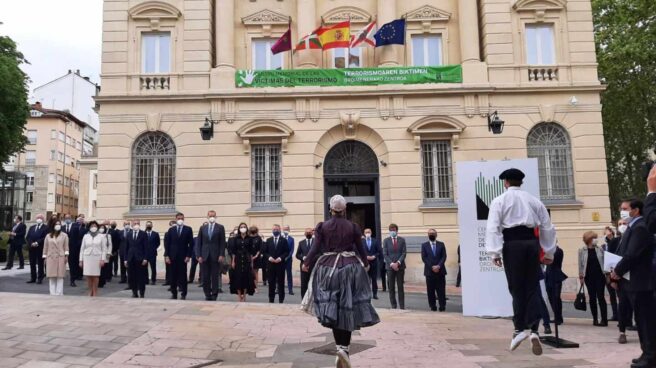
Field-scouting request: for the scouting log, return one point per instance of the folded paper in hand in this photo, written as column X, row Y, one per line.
column 610, row 261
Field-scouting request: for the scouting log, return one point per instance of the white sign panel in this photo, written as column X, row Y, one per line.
column 484, row 286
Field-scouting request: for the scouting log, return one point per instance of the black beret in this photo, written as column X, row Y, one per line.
column 512, row 174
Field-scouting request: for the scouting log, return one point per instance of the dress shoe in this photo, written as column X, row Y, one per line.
column 31, row 282
column 183, row 297
column 6, row 268
column 638, row 359
column 291, row 293
column 135, row 295
column 169, row 289
column 603, row 324
column 21, row 267
column 547, row 330
column 220, row 291
column 643, row 364
column 215, row 297
column 622, row 339
column 142, row 296
column 174, row 297
column 442, row 309
column 39, row 282
column 376, row 297
column 434, row 309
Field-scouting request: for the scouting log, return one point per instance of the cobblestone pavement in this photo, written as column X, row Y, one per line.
column 71, row 331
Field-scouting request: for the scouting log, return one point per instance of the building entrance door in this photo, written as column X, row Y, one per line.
column 351, row 170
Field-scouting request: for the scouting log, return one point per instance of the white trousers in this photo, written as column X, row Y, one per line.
column 56, row 285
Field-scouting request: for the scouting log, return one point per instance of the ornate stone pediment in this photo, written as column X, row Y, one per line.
column 264, row 129
column 154, row 10
column 265, row 17
column 539, row 5
column 344, row 13
column 428, row 13
column 436, row 126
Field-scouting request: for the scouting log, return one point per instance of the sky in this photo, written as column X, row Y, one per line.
column 55, row 36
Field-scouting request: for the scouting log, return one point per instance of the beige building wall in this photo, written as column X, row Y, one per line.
column 210, row 42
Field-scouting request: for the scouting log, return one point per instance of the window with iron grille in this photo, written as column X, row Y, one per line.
column 437, row 171
column 550, row 144
column 266, row 175
column 153, row 172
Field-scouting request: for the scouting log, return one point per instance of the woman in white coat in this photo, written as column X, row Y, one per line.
column 93, row 254
column 55, row 254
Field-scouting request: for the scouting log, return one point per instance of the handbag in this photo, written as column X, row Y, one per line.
column 579, row 302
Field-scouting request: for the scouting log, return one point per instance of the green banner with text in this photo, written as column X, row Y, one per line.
column 348, row 77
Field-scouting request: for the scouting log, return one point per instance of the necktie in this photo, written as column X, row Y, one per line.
column 38, row 227
column 179, row 230
column 434, row 250
column 394, row 244
column 135, row 235
column 369, row 245
column 275, row 242
column 210, row 230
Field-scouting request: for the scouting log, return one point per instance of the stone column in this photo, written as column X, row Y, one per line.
column 306, row 21
column 223, row 76
column 473, row 70
column 387, row 55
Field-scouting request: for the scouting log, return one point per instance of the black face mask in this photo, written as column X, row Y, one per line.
column 113, row 227
column 432, row 237
column 148, row 228
column 308, row 236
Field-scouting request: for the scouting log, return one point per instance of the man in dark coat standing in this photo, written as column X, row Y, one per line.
column 433, row 254
column 303, row 250
column 151, row 251
column 115, row 234
column 211, row 255
column 16, row 242
column 275, row 251
column 637, row 256
column 74, row 243
column 177, row 253
column 134, row 255
column 124, row 233
column 554, row 277
column 374, row 253
column 35, row 238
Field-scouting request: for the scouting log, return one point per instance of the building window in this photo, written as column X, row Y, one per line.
column 30, row 157
column 31, row 136
column 437, row 171
column 60, row 157
column 153, row 172
column 53, row 155
column 58, row 199
column 67, row 182
column 95, row 181
column 62, row 137
column 53, row 134
column 339, row 58
column 78, row 146
column 156, row 52
column 51, row 178
column 266, row 175
column 51, row 197
column 550, row 144
column 60, row 179
column 29, row 197
column 540, row 49
column 29, row 178
column 28, row 216
column 263, row 58
column 427, row 50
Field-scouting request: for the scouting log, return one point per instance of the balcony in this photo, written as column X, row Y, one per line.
column 155, row 82
column 542, row 74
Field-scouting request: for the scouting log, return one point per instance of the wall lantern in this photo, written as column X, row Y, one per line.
column 494, row 124
column 207, row 130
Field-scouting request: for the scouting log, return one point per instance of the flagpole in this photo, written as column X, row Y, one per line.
column 405, row 43
column 376, row 62
column 348, row 55
column 291, row 54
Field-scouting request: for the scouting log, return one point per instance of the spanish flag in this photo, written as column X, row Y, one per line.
column 335, row 36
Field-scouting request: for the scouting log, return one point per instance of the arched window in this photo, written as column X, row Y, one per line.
column 153, row 172
column 550, row 144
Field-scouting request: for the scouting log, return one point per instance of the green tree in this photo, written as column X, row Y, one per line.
column 14, row 108
column 625, row 35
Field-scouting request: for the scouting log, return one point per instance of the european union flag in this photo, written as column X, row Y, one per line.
column 392, row 33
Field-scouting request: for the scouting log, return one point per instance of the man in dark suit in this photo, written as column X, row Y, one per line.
column 211, row 255
column 275, row 251
column 34, row 239
column 637, row 256
column 177, row 253
column 554, row 277
column 74, row 243
column 151, row 251
column 16, row 242
column 115, row 234
column 394, row 252
column 167, row 267
column 124, row 234
column 303, row 250
column 433, row 254
column 289, row 259
column 374, row 253
column 135, row 261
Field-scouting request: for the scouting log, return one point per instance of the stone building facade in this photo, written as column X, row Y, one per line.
column 278, row 153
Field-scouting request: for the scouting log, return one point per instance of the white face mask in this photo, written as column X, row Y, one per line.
column 136, row 227
column 180, row 222
column 102, row 230
column 243, row 230
column 622, row 228
column 236, row 232
column 595, row 242
column 39, row 221
column 286, row 233
column 211, row 220
column 57, row 227
column 624, row 215
column 93, row 229
column 367, row 236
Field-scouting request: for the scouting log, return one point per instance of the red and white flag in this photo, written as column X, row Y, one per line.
column 365, row 36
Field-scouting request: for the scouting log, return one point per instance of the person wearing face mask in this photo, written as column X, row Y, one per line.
column 591, row 261
column 35, row 237
column 289, row 259
column 241, row 265
column 16, row 242
column 275, row 251
column 611, row 243
column 211, row 255
column 624, row 308
column 433, row 254
column 167, row 267
column 55, row 254
column 151, row 251
column 177, row 253
column 106, row 269
column 124, row 236
column 115, row 234
column 304, row 247
column 93, row 253
column 135, row 261
column 258, row 260
column 374, row 253
column 394, row 252
column 72, row 230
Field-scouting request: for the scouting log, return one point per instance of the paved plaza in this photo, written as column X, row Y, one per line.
column 73, row 331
